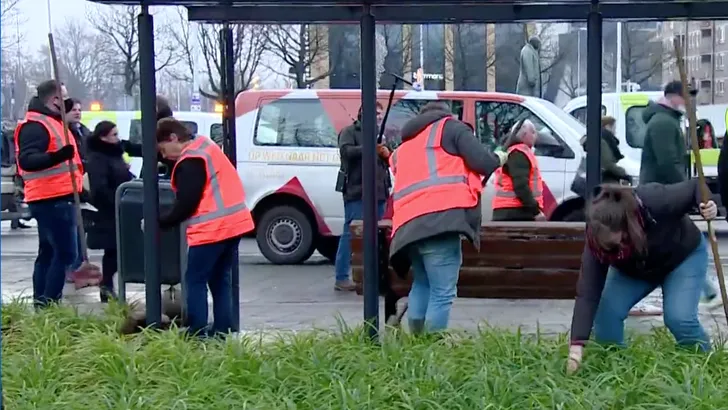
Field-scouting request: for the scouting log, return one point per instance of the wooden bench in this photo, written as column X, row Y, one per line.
column 517, row 260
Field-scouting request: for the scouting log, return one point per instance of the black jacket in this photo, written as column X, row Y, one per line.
column 457, row 139
column 106, row 171
column 81, row 133
column 350, row 140
column 33, row 142
column 671, row 238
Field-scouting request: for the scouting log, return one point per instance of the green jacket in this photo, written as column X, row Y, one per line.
column 664, row 152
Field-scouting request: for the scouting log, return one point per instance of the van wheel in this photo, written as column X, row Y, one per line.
column 285, row 236
column 327, row 246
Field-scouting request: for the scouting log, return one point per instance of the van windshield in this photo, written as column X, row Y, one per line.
column 572, row 122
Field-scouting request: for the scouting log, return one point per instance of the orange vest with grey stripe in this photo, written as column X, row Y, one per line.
column 505, row 196
column 55, row 181
column 222, row 213
column 427, row 179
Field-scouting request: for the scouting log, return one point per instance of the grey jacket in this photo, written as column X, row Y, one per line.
column 529, row 76
column 457, row 139
column 350, row 140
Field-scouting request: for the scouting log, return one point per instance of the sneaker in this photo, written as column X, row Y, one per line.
column 345, row 285
column 645, row 309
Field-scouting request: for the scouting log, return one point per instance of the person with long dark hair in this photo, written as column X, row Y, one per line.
column 106, row 170
column 638, row 239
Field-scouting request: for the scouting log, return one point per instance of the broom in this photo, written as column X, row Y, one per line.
column 704, row 193
column 87, row 274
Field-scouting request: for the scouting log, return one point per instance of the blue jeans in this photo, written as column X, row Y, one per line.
column 435, row 268
column 79, row 253
column 57, row 248
column 210, row 265
column 681, row 294
column 352, row 210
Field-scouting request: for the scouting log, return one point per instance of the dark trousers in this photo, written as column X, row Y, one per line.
column 109, row 266
column 210, row 265
column 57, row 248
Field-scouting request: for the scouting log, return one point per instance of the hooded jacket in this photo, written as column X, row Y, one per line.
column 664, row 152
column 457, row 139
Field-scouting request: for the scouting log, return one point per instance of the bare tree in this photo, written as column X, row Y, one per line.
column 570, row 83
column 9, row 15
column 249, row 46
column 84, row 59
column 301, row 47
column 467, row 39
column 118, row 25
column 398, row 58
column 642, row 54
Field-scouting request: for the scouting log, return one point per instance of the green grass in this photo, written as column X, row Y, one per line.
column 60, row 359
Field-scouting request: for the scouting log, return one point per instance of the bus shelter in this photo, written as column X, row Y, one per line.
column 367, row 13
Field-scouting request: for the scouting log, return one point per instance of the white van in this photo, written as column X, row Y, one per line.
column 288, row 157
column 627, row 109
column 129, row 124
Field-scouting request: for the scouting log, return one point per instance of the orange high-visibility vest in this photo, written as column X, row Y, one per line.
column 55, row 181
column 222, row 213
column 505, row 196
column 427, row 179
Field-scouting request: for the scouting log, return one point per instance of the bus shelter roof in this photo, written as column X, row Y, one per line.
column 438, row 11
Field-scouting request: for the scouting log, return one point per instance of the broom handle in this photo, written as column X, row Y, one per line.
column 71, row 164
column 705, row 193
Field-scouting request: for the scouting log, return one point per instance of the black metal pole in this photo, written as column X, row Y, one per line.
column 230, row 144
column 593, row 97
column 148, row 89
column 369, row 158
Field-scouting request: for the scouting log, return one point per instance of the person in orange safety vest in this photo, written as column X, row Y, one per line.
column 210, row 199
column 438, row 171
column 518, row 184
column 45, row 162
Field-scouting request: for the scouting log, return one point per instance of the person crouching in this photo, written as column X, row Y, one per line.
column 210, row 200
column 638, row 239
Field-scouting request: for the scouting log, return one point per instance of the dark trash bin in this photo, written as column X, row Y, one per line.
column 130, row 238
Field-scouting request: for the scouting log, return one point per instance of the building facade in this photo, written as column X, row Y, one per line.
column 706, row 51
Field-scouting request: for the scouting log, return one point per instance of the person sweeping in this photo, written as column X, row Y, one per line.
column 638, row 239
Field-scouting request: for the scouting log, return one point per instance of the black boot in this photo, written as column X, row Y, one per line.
column 107, row 293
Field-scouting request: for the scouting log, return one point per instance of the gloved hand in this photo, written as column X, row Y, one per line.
column 65, row 153
column 502, row 156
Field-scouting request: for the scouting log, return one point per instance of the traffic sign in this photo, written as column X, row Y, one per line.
column 196, row 107
column 195, row 99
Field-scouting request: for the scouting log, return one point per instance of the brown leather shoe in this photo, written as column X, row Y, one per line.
column 345, row 285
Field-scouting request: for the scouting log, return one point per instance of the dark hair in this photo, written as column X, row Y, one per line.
column 378, row 105
column 169, row 126
column 615, row 208
column 163, row 109
column 76, row 101
column 435, row 106
column 102, row 129
column 47, row 90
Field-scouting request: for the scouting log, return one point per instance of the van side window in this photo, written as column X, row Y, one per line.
column 294, row 123
column 216, row 134
column 635, row 126
column 135, row 130
column 403, row 111
column 495, row 120
column 580, row 114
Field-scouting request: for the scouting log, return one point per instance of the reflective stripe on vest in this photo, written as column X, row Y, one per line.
column 433, row 179
column 58, row 140
column 221, row 210
column 537, row 192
